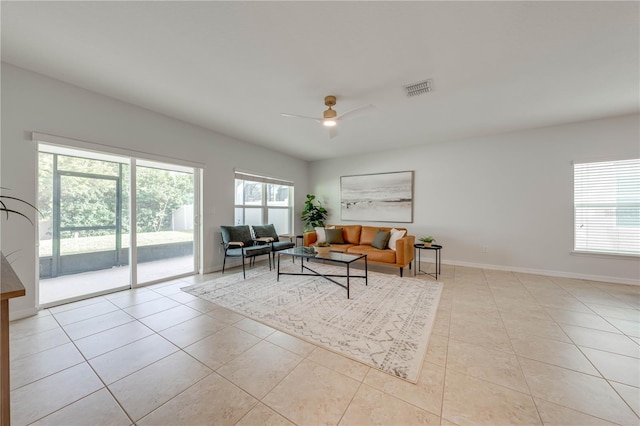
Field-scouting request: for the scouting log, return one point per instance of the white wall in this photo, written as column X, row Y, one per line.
column 32, row 102
column 512, row 193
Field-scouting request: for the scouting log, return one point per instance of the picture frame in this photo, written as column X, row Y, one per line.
column 378, row 197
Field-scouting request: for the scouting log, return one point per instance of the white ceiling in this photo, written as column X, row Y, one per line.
column 233, row 67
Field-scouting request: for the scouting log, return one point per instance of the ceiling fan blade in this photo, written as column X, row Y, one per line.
column 333, row 132
column 355, row 113
column 300, row 116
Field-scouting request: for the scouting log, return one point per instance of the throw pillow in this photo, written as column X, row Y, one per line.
column 334, row 236
column 321, row 236
column 396, row 234
column 262, row 231
column 381, row 240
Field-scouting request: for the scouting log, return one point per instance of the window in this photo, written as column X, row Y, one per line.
column 262, row 200
column 607, row 207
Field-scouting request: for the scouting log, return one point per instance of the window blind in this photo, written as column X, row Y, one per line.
column 262, row 179
column 607, row 207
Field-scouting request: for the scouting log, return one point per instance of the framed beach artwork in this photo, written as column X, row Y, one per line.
column 382, row 197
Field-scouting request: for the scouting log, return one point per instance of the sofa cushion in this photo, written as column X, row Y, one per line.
column 374, row 254
column 268, row 231
column 334, row 236
column 381, row 240
column 343, row 248
column 368, row 234
column 351, row 233
column 396, row 234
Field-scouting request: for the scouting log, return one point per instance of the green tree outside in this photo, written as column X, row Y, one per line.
column 92, row 202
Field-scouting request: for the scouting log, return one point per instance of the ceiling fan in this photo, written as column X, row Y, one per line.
column 330, row 117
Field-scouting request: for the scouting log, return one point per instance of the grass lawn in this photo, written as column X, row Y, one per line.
column 108, row 242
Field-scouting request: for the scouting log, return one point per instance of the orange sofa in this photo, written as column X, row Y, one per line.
column 358, row 239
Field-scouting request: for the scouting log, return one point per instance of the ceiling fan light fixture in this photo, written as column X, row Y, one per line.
column 329, row 117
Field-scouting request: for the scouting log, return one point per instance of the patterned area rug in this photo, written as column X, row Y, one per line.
column 386, row 324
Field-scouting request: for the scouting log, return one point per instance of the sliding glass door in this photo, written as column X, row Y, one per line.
column 165, row 200
column 83, row 198
column 84, row 231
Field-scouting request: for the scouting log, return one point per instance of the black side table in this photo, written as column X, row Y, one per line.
column 418, row 249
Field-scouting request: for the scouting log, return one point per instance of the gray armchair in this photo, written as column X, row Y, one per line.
column 268, row 234
column 238, row 242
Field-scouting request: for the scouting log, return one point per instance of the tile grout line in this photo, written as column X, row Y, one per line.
column 86, row 361
column 214, row 371
column 608, row 381
column 569, row 369
column 446, row 359
column 106, row 386
column 524, row 376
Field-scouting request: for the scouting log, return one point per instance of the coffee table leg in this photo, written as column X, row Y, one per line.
column 347, row 280
column 366, row 272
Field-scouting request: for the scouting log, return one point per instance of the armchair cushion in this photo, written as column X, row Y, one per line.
column 265, row 231
column 248, row 251
column 240, row 233
column 282, row 245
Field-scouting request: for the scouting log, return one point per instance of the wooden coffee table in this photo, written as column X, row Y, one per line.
column 332, row 257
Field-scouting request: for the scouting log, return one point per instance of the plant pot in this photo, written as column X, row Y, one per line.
column 323, row 251
column 426, row 244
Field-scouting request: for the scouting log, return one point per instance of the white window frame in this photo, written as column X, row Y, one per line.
column 264, row 205
column 598, row 179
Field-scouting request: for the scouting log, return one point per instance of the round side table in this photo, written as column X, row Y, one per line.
column 418, row 249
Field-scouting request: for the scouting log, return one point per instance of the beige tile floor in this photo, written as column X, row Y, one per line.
column 506, row 348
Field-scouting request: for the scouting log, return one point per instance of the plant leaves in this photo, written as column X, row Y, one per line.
column 16, row 212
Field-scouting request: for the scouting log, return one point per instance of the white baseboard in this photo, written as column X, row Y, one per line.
column 561, row 274
column 23, row 313
column 211, row 270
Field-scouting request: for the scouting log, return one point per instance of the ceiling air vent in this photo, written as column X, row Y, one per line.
column 418, row 88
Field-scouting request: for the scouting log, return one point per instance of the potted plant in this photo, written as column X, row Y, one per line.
column 427, row 241
column 323, row 248
column 313, row 214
